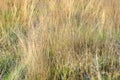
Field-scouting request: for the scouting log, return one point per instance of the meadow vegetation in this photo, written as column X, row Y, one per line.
column 59, row 39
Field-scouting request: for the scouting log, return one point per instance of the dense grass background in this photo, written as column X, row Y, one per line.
column 59, row 40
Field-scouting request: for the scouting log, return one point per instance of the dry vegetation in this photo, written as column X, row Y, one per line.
column 59, row 39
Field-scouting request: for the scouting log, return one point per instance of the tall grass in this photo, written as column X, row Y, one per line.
column 59, row 40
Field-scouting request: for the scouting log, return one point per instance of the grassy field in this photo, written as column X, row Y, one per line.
column 59, row 39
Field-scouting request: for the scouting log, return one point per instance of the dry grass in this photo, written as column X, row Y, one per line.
column 59, row 40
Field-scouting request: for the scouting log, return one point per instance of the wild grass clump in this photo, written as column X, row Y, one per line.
column 59, row 40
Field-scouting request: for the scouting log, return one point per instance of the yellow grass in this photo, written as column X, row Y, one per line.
column 59, row 40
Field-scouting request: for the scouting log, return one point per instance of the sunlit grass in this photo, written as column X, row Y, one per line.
column 59, row 40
